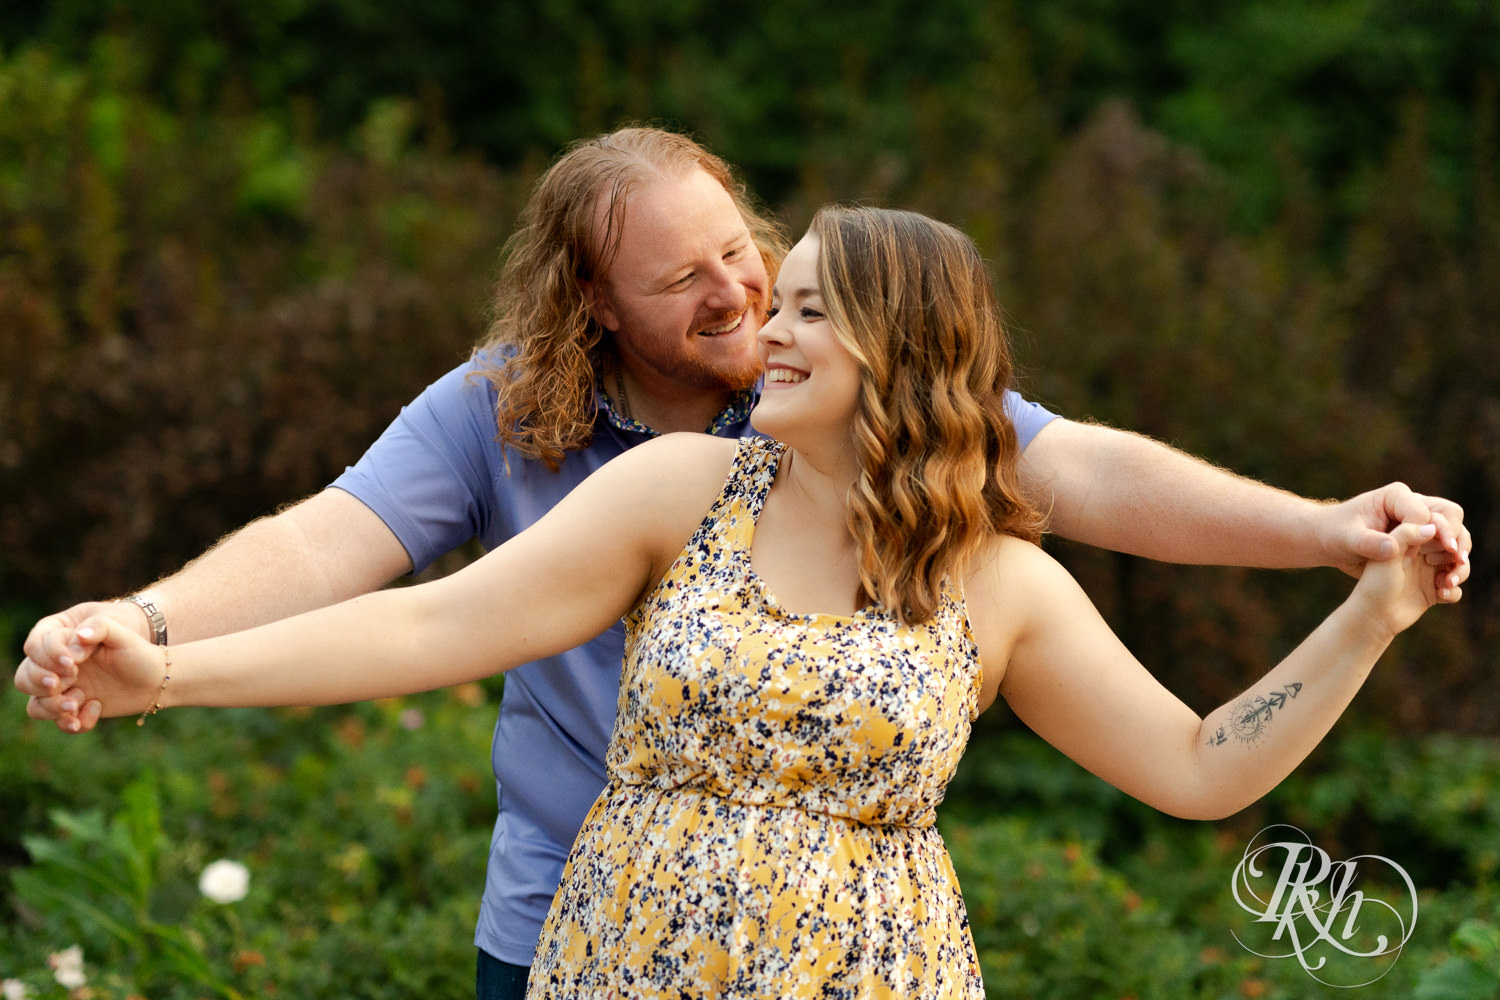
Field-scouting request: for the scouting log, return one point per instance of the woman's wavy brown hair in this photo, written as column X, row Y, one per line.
column 543, row 347
column 911, row 299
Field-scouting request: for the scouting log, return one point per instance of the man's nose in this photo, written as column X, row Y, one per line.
column 726, row 293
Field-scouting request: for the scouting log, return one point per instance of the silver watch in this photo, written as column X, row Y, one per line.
column 153, row 615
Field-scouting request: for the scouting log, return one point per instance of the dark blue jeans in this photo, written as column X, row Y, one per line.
column 497, row 980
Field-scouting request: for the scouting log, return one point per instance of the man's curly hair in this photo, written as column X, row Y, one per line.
column 543, row 348
column 911, row 299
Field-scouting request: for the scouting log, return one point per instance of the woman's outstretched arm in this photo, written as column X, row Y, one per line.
column 555, row 585
column 1071, row 680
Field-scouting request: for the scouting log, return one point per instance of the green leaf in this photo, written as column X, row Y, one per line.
column 1457, row 979
column 184, row 956
column 1482, row 940
column 36, row 888
column 141, row 820
column 46, row 851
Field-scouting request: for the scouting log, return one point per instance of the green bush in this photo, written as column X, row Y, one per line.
column 365, row 831
column 1473, row 971
column 1124, row 901
column 1050, row 921
column 202, row 319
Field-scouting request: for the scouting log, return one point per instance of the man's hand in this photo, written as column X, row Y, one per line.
column 49, row 672
column 1358, row 530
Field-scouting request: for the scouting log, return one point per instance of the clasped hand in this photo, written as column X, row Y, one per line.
column 1359, row 530
column 99, row 669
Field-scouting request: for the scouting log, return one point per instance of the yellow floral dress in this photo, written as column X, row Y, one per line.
column 768, row 828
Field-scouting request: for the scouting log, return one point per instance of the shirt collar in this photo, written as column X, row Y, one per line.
column 737, row 412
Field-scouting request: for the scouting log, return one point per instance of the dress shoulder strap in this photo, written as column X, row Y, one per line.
column 722, row 541
column 733, row 515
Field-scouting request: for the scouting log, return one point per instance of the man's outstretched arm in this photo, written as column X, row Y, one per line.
column 326, row 549
column 1122, row 491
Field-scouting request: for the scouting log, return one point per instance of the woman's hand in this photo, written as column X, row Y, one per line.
column 105, row 670
column 1395, row 592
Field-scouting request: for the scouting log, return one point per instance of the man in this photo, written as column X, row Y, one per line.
column 628, row 306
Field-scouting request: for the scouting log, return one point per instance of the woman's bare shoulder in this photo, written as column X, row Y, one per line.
column 675, row 478
column 662, row 490
column 683, row 461
column 1006, row 567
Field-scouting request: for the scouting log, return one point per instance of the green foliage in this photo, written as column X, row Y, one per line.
column 1134, row 303
column 490, row 71
column 97, row 882
column 365, row 832
column 212, row 316
column 1473, row 971
column 366, row 829
column 1082, row 891
column 1049, row 921
column 1274, row 92
column 1289, row 99
column 1435, row 801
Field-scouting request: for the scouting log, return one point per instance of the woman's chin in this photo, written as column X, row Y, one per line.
column 769, row 419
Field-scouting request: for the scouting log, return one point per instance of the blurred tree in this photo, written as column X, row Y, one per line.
column 255, row 229
column 202, row 320
column 1280, row 94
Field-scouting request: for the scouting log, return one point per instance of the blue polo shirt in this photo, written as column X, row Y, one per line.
column 437, row 479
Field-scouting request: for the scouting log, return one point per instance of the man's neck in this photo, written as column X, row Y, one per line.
column 661, row 405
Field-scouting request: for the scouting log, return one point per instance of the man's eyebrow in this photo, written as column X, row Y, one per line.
column 670, row 274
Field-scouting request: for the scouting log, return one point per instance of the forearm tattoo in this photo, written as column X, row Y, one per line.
column 1250, row 716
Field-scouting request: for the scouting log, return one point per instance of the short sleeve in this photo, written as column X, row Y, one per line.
column 1028, row 417
column 429, row 476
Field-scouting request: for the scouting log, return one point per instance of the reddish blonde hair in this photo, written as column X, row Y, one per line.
column 911, row 299
column 543, row 346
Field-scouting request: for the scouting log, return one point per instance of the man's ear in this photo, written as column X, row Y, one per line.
column 600, row 305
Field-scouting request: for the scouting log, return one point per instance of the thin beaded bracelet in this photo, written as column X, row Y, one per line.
column 166, row 676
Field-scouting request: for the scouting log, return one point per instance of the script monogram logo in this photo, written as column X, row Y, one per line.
column 1282, row 884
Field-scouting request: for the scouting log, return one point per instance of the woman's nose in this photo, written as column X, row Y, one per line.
column 772, row 331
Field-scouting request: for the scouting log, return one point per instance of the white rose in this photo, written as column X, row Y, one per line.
column 14, row 989
column 225, row 881
column 67, row 967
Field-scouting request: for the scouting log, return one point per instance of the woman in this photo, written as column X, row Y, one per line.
column 804, row 662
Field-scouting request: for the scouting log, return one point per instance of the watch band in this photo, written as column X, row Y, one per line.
column 154, row 616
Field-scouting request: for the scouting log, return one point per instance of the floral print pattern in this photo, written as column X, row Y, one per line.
column 768, row 828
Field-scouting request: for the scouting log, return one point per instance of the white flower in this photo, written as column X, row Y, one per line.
column 67, row 967
column 412, row 719
column 225, row 881
column 14, row 989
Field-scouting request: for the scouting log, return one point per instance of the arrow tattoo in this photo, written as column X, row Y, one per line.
column 1250, row 716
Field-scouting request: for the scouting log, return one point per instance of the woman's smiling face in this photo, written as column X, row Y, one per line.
column 811, row 380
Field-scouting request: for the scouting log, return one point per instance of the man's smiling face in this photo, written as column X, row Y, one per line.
column 687, row 289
